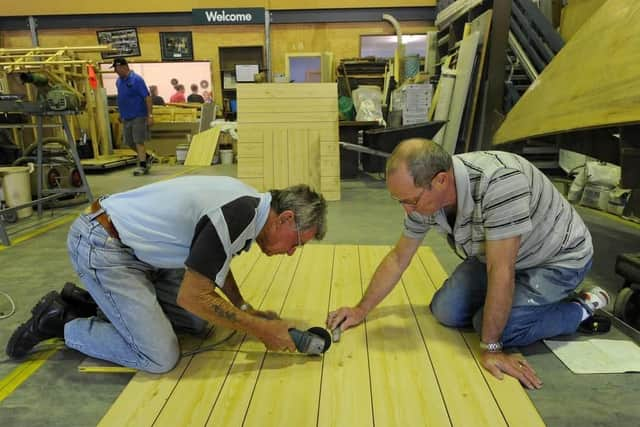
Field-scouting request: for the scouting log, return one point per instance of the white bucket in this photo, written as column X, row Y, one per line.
column 226, row 157
column 181, row 152
column 16, row 186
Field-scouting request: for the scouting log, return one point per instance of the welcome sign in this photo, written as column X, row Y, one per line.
column 227, row 16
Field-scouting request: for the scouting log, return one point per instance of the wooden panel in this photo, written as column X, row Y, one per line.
column 346, row 366
column 257, row 183
column 250, row 168
column 298, row 157
column 509, row 394
column 602, row 93
column 330, row 182
column 268, row 158
column 328, row 133
column 575, row 14
column 468, row 398
column 286, row 374
column 287, row 90
column 329, row 149
column 405, row 376
column 288, row 105
column 249, row 134
column 250, row 149
column 202, row 147
column 280, row 158
column 143, row 398
column 331, row 196
column 314, row 158
column 330, row 166
column 269, row 117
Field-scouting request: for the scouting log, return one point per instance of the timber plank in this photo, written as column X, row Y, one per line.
column 232, row 403
column 517, row 408
column 142, row 400
column 289, row 105
column 346, row 365
column 202, row 147
column 468, row 398
column 272, row 91
column 404, row 388
column 296, row 376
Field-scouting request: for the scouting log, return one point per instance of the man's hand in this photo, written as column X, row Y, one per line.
column 149, row 120
column 346, row 317
column 275, row 336
column 499, row 363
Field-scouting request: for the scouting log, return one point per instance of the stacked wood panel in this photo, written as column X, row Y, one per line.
column 288, row 134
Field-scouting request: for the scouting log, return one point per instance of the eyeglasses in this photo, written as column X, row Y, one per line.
column 413, row 202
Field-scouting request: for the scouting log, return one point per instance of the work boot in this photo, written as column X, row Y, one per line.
column 80, row 300
column 150, row 160
column 139, row 171
column 47, row 321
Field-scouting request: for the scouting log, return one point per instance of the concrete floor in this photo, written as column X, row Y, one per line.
column 58, row 395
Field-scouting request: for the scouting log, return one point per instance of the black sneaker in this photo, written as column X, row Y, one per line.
column 80, row 300
column 47, row 321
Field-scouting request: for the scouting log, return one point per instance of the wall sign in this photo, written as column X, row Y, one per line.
column 124, row 40
column 228, row 16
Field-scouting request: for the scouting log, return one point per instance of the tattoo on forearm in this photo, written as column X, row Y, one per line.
column 221, row 312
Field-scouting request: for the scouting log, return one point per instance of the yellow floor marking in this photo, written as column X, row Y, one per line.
column 23, row 371
column 38, row 231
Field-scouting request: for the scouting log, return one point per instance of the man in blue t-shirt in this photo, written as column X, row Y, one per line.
column 135, row 106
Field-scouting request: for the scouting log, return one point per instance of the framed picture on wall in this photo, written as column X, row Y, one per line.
column 176, row 46
column 123, row 40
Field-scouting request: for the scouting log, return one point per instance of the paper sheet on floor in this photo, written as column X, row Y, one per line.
column 597, row 356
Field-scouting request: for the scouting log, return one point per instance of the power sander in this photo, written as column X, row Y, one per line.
column 313, row 341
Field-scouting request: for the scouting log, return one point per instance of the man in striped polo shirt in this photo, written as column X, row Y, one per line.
column 525, row 250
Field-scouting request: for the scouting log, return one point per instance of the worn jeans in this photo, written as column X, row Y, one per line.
column 138, row 299
column 540, row 308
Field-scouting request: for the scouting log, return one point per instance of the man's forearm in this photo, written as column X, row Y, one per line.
column 497, row 307
column 149, row 103
column 215, row 309
column 231, row 291
column 383, row 281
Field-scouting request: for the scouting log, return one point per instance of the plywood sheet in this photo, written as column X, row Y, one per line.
column 592, row 82
column 202, row 148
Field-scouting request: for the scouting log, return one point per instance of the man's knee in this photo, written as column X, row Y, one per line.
column 445, row 312
column 163, row 359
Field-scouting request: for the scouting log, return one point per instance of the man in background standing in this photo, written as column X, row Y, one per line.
column 135, row 108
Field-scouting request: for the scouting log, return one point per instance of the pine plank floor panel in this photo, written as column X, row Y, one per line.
column 404, row 388
column 232, row 403
column 293, row 380
column 517, row 408
column 468, row 398
column 400, row 368
column 345, row 395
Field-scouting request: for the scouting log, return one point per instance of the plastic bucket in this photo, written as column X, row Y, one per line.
column 16, row 186
column 226, row 157
column 181, row 152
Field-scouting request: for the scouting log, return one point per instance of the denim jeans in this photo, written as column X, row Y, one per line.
column 540, row 308
column 138, row 300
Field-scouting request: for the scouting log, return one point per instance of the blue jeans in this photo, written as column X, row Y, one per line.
column 138, row 299
column 540, row 306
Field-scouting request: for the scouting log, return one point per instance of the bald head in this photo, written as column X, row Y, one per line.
column 422, row 158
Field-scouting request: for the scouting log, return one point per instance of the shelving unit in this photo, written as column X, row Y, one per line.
column 231, row 56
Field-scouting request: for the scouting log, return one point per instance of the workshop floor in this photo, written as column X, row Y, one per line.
column 52, row 392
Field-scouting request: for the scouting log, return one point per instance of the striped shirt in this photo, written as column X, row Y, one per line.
column 501, row 195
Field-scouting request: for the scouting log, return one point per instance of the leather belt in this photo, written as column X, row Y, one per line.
column 103, row 219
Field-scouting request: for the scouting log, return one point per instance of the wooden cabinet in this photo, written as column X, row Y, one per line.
column 230, row 57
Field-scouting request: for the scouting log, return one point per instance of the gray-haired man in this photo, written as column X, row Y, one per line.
column 154, row 259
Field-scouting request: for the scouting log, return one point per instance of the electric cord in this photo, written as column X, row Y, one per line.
column 13, row 306
column 209, row 347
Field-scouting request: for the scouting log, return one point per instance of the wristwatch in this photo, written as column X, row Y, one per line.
column 492, row 347
column 245, row 306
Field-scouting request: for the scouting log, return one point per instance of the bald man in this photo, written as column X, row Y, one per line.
column 525, row 250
